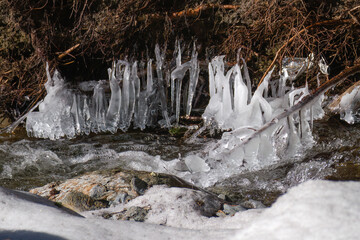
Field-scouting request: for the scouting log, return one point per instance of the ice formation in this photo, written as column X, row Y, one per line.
column 66, row 112
column 233, row 107
column 349, row 106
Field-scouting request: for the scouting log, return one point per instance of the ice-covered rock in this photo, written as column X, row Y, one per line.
column 348, row 104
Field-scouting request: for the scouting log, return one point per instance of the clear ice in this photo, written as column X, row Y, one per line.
column 131, row 102
column 349, row 106
column 233, row 107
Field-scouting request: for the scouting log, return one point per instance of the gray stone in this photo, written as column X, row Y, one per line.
column 139, row 185
column 135, row 213
column 97, row 191
column 252, row 204
column 80, row 202
column 232, row 209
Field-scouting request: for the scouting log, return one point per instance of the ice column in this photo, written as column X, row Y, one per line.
column 113, row 112
column 177, row 76
column 161, row 90
column 194, row 76
column 99, row 107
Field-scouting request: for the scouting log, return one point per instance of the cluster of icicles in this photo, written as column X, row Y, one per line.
column 233, row 106
column 133, row 101
column 139, row 103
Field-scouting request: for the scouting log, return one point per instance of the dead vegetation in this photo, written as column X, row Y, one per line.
column 81, row 38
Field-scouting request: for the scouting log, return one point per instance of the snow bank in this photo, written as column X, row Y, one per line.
column 24, row 214
column 312, row 210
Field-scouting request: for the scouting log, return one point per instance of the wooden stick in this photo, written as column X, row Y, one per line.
column 67, row 52
column 195, row 11
column 191, row 12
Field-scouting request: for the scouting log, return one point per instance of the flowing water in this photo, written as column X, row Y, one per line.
column 29, row 162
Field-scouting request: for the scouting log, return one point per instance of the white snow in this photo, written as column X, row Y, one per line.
column 312, row 210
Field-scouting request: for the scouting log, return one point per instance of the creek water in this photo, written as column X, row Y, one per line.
column 26, row 162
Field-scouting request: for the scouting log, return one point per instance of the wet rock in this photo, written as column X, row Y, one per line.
column 121, row 198
column 80, row 202
column 97, row 191
column 232, row 209
column 101, row 189
column 208, row 205
column 166, row 206
column 252, row 204
column 137, row 214
column 134, row 213
column 346, row 171
column 138, row 185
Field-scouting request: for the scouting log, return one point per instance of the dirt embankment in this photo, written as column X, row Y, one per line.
column 81, row 38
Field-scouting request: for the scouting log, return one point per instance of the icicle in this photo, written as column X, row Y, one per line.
column 194, row 76
column 113, row 112
column 149, row 82
column 133, row 94
column 75, row 113
column 125, row 101
column 159, row 65
column 324, row 68
column 247, row 78
column 211, row 80
column 86, row 116
column 240, row 91
column 226, row 107
column 99, row 106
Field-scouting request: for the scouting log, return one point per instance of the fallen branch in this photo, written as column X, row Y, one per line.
column 318, row 24
column 191, row 12
column 304, row 102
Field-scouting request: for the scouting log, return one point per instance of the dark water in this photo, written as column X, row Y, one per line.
column 334, row 156
column 28, row 162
